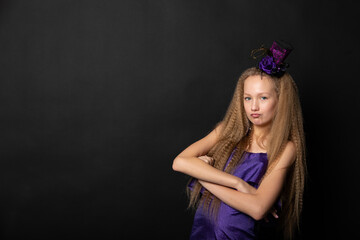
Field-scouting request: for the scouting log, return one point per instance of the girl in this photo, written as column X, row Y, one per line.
column 253, row 161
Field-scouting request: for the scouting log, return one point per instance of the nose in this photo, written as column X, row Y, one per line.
column 254, row 105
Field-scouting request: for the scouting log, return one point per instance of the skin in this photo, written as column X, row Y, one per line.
column 260, row 101
column 260, row 98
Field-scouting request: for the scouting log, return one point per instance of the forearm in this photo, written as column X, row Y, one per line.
column 247, row 203
column 197, row 168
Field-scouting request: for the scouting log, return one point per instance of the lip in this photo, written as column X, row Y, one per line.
column 255, row 115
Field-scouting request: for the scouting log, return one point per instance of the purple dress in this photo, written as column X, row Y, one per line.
column 232, row 224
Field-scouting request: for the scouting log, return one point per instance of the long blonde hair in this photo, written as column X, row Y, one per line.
column 287, row 126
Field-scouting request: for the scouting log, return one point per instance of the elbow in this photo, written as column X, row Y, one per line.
column 259, row 212
column 254, row 208
column 258, row 216
column 177, row 163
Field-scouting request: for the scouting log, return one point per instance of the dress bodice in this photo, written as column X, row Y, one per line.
column 231, row 223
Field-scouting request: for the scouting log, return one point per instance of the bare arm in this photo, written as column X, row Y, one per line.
column 197, row 168
column 188, row 162
column 259, row 203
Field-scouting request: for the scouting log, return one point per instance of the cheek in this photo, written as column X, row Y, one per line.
column 271, row 108
column 247, row 108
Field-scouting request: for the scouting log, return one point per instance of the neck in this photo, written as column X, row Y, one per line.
column 260, row 131
column 258, row 138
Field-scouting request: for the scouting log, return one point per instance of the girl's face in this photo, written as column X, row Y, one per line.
column 260, row 100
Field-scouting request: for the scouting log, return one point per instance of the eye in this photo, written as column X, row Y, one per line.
column 247, row 98
column 264, row 98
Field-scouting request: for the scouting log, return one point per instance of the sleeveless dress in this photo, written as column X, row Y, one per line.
column 230, row 223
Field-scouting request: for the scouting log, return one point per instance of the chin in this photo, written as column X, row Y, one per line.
column 260, row 123
column 257, row 122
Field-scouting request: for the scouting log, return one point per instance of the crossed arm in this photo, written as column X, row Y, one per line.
column 230, row 189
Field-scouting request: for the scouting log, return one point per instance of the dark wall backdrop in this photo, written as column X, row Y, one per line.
column 98, row 97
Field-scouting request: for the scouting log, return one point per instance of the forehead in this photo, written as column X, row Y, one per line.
column 258, row 84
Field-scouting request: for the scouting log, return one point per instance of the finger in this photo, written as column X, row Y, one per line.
column 274, row 213
column 204, row 160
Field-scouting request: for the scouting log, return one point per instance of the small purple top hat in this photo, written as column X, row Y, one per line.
column 280, row 50
column 273, row 63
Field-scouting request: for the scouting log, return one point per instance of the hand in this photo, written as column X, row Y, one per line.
column 273, row 211
column 207, row 159
column 244, row 187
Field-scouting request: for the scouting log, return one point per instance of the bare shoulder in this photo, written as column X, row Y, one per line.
column 203, row 146
column 287, row 157
column 215, row 134
column 218, row 129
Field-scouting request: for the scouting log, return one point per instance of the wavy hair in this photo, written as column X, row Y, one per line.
column 287, row 126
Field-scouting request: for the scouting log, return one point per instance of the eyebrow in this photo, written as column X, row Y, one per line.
column 257, row 93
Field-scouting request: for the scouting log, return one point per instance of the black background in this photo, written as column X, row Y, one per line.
column 98, row 97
